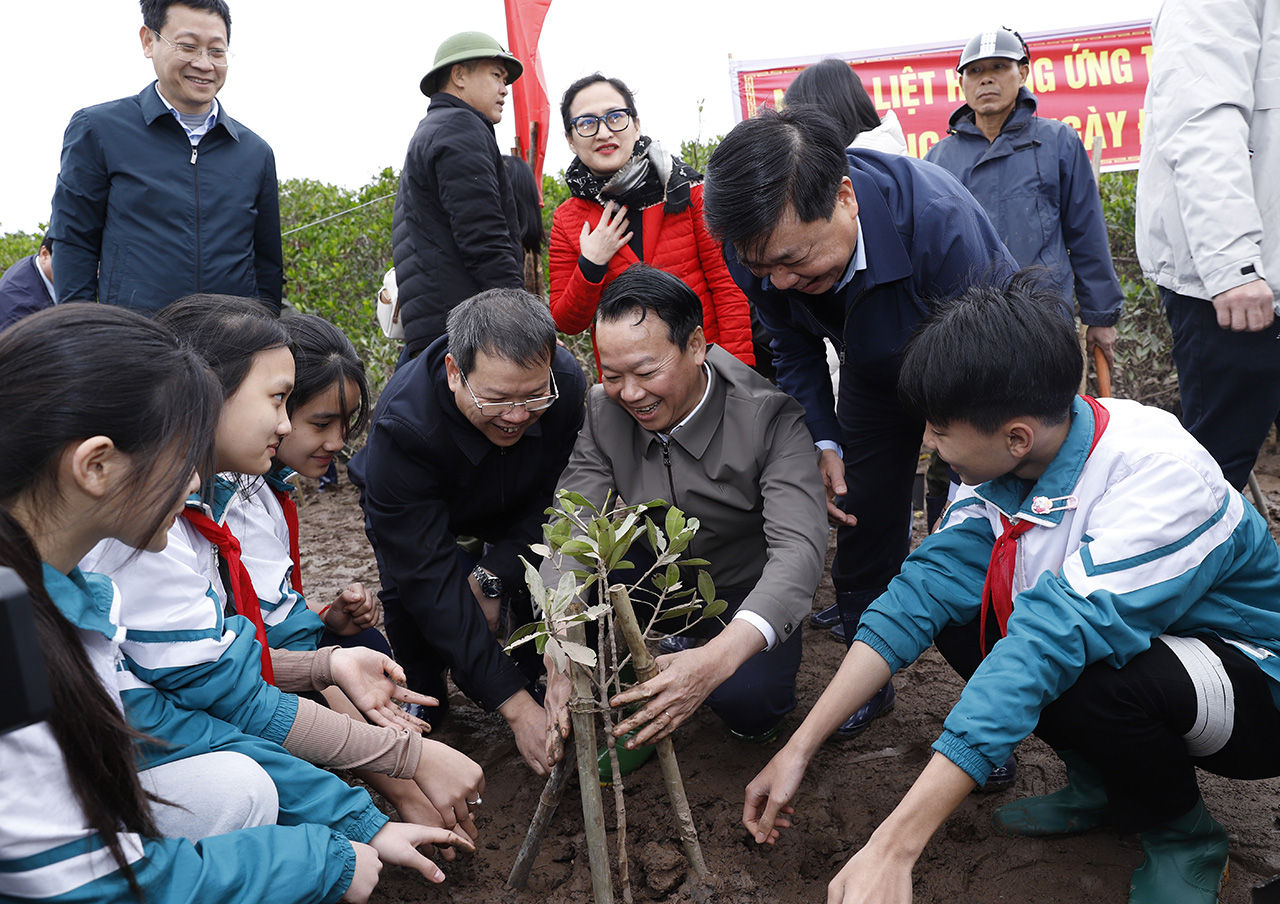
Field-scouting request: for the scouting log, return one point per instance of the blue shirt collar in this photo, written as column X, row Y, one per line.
column 199, row 131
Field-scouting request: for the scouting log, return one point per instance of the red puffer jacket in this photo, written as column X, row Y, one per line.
column 678, row 244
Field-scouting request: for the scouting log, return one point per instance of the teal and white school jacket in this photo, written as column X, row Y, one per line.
column 48, row 851
column 178, row 641
column 1142, row 537
column 256, row 519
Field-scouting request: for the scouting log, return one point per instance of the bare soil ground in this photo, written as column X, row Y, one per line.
column 850, row 788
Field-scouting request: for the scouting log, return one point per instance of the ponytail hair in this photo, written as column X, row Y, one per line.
column 66, row 374
column 323, row 355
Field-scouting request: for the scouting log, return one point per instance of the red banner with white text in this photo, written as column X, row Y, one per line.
column 1093, row 80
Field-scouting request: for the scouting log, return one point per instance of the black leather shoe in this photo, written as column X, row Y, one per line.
column 879, row 705
column 1002, row 777
column 838, row 633
column 826, row 618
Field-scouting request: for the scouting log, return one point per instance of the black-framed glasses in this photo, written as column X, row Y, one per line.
column 614, row 121
column 189, row 53
column 495, row 409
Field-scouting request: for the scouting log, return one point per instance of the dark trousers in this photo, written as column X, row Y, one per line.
column 754, row 698
column 423, row 665
column 1130, row 723
column 1229, row 383
column 881, row 452
column 369, row 637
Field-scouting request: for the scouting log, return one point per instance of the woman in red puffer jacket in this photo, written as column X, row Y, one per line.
column 630, row 202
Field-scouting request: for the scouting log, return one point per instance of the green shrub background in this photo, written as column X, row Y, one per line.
column 337, row 247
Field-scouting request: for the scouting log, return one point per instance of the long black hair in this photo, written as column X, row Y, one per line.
column 323, row 355
column 524, row 187
column 832, row 85
column 66, row 374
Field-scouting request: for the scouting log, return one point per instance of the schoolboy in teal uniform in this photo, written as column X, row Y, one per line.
column 1097, row 581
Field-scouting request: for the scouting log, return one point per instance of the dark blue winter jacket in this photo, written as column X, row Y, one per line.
column 162, row 218
column 1037, row 186
column 926, row 239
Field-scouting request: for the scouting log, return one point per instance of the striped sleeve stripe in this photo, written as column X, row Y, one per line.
column 65, row 868
column 1215, row 696
column 179, row 652
column 1154, row 566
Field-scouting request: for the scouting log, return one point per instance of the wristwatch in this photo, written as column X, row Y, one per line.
column 490, row 584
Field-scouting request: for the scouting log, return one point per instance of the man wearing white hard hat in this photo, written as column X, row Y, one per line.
column 455, row 232
column 1033, row 178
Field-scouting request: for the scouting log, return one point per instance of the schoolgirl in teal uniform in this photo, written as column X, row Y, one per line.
column 195, row 674
column 107, row 420
column 328, row 404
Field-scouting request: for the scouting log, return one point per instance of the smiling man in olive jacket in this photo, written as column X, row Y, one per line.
column 679, row 420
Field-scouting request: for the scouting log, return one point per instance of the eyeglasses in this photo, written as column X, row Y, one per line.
column 494, row 409
column 218, row 56
column 614, row 121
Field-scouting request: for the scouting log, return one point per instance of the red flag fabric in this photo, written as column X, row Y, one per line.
column 532, row 108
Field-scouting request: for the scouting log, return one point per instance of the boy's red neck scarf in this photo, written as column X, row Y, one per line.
column 291, row 518
column 246, row 598
column 997, row 590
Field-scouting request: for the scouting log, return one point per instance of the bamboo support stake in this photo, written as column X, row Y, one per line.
column 582, row 713
column 646, row 669
column 615, row 769
column 547, row 803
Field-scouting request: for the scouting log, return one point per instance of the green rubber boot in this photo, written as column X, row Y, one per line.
column 1079, row 807
column 628, row 760
column 1186, row 861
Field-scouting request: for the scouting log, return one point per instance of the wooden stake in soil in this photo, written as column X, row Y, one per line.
column 646, row 669
column 547, row 803
column 582, row 713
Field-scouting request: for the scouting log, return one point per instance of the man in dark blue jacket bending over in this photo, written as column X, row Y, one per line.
column 851, row 248
column 468, row 441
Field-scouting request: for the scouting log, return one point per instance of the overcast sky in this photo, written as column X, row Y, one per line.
column 332, row 85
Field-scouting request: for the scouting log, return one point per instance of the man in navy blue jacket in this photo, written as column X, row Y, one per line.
column 27, row 286
column 1033, row 178
column 163, row 194
column 852, row 248
column 468, row 441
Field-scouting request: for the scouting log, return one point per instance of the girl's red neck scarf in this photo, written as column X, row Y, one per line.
column 242, row 592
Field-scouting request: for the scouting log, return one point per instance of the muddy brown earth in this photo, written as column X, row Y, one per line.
column 849, row 789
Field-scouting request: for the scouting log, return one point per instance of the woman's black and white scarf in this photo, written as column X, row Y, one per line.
column 649, row 177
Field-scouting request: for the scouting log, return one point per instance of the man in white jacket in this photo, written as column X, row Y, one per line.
column 1208, row 181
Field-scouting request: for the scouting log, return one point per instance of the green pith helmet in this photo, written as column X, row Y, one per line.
column 468, row 45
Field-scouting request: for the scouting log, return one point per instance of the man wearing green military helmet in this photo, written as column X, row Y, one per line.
column 455, row 232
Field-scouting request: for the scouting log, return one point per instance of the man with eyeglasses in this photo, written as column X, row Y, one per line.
column 163, row 194
column 455, row 231
column 460, row 465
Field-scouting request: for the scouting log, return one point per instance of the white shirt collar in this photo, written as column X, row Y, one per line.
column 35, row 262
column 696, row 408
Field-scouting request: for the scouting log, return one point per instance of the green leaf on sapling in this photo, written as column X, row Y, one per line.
column 714, row 609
